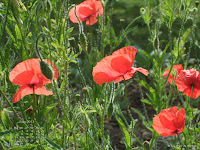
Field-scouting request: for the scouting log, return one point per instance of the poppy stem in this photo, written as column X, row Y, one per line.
column 193, row 117
column 179, row 141
column 37, row 45
column 34, row 119
column 126, row 99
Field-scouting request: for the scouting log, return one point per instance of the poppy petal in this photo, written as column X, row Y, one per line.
column 72, row 14
column 170, row 78
column 84, row 11
column 159, row 128
column 121, row 64
column 41, row 90
column 129, row 50
column 178, row 68
column 23, row 91
column 169, row 121
column 144, row 71
column 103, row 72
column 29, row 72
column 179, row 121
column 25, row 72
column 55, row 69
column 91, row 21
column 26, row 90
column 130, row 73
column 188, row 81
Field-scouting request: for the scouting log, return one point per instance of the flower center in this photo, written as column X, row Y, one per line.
column 31, row 85
column 176, row 131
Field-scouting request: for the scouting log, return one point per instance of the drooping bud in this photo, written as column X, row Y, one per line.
column 197, row 4
column 29, row 110
column 49, row 6
column 142, row 11
column 46, row 69
column 72, row 42
column 84, row 89
column 15, row 8
column 83, row 41
column 146, row 145
column 77, row 97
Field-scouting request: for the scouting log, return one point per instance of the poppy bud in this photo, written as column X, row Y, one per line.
column 29, row 110
column 46, row 69
column 142, row 11
column 84, row 89
column 83, row 41
column 5, row 106
column 146, row 145
column 77, row 96
column 182, row 7
column 110, row 110
column 15, row 7
column 197, row 4
column 49, row 6
column 72, row 42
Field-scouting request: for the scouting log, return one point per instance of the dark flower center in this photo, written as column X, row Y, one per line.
column 176, row 131
column 31, row 85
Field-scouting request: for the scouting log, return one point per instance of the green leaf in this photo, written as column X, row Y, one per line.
column 146, row 101
column 18, row 34
column 70, row 30
column 110, row 110
column 48, row 108
column 53, row 115
column 150, row 89
column 139, row 113
column 50, row 142
column 12, row 131
column 6, row 119
column 127, row 137
column 28, row 147
column 13, row 38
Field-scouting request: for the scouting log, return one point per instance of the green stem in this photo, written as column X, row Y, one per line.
column 74, row 137
column 34, row 114
column 126, row 100
column 14, row 110
column 179, row 141
column 193, row 116
column 129, row 112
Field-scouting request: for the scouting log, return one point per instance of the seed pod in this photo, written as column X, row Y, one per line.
column 72, row 42
column 46, row 69
column 83, row 41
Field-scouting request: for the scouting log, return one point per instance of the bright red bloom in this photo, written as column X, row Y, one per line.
column 28, row 74
column 88, row 10
column 188, row 81
column 177, row 70
column 169, row 121
column 116, row 66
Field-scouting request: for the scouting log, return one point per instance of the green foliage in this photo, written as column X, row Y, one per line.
column 165, row 34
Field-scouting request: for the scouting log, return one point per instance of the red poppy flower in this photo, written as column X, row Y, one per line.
column 188, row 81
column 169, row 121
column 117, row 66
column 28, row 74
column 177, row 70
column 88, row 10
